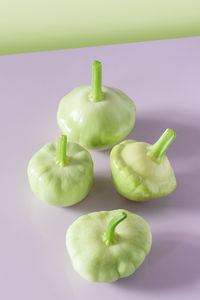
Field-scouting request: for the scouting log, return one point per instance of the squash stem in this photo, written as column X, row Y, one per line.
column 96, row 94
column 158, row 150
column 61, row 158
column 110, row 232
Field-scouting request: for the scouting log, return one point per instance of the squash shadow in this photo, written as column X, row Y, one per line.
column 171, row 263
column 102, row 196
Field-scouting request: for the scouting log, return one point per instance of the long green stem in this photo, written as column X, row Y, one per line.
column 61, row 158
column 158, row 150
column 110, row 232
column 96, row 91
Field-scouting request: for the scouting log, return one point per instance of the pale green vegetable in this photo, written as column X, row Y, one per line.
column 96, row 116
column 61, row 173
column 107, row 245
column 141, row 171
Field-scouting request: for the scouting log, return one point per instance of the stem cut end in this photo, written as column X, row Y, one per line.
column 61, row 158
column 110, row 232
column 158, row 150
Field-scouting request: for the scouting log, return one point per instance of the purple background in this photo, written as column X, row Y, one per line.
column 163, row 78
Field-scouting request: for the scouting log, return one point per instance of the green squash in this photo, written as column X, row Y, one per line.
column 107, row 245
column 141, row 171
column 61, row 173
column 96, row 116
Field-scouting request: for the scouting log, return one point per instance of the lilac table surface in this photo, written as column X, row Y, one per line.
column 163, row 78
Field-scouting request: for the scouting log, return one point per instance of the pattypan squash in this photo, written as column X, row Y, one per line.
column 141, row 171
column 107, row 245
column 96, row 116
column 61, row 173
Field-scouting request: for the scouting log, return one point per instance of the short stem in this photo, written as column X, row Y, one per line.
column 110, row 232
column 61, row 158
column 158, row 150
column 96, row 91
